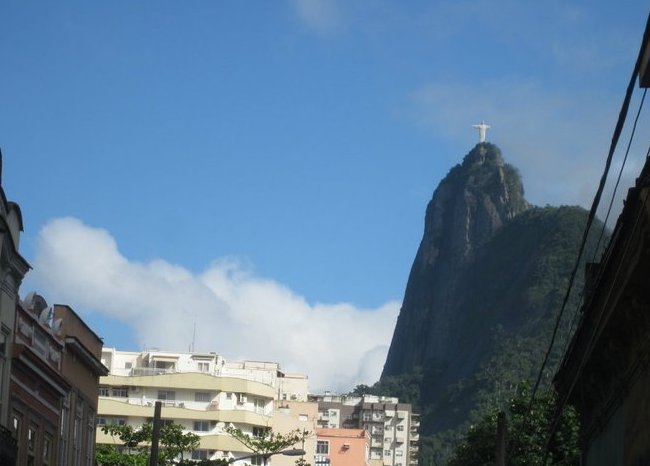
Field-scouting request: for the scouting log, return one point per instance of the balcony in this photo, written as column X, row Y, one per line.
column 376, row 442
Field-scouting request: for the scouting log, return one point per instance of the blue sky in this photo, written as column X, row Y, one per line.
column 262, row 168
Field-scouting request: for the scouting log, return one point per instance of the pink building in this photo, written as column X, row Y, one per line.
column 342, row 447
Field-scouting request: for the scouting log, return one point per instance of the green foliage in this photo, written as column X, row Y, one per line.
column 175, row 441
column 109, row 455
column 136, row 441
column 269, row 442
column 526, row 435
column 504, row 305
column 405, row 386
column 219, row 462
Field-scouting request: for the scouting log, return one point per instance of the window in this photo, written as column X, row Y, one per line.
column 204, row 366
column 40, row 342
column 101, row 421
column 322, row 447
column 201, row 426
column 303, row 417
column 121, row 392
column 321, row 460
column 399, row 453
column 31, row 438
column 388, row 440
column 228, row 396
column 260, row 431
column 103, row 391
column 200, row 455
column 202, row 396
column 333, row 413
column 3, row 348
column 257, row 460
column 400, row 427
column 47, row 449
column 128, row 365
column 166, row 395
column 387, row 452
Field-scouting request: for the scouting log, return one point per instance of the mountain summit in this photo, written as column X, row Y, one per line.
column 486, row 284
column 472, row 202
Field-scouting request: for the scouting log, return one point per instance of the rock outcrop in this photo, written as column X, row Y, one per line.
column 471, row 203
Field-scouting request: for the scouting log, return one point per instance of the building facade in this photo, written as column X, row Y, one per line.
column 605, row 373
column 392, row 427
column 54, row 380
column 205, row 394
column 81, row 367
column 12, row 270
column 37, row 388
column 342, row 447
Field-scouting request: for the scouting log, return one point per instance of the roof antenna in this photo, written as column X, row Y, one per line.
column 193, row 336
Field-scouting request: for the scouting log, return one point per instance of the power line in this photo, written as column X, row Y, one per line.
column 620, row 173
column 592, row 214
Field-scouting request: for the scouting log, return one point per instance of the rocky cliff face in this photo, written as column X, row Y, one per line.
column 482, row 297
column 474, row 201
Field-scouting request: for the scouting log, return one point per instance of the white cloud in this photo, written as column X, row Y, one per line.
column 238, row 315
column 322, row 16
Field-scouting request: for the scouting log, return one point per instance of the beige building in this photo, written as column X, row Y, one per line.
column 205, row 394
column 81, row 367
column 392, row 426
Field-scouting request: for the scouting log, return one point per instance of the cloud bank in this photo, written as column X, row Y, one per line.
column 237, row 314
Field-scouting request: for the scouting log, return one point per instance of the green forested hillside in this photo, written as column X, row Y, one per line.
column 505, row 304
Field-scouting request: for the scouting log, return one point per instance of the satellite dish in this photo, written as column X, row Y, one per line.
column 45, row 315
column 35, row 302
column 56, row 325
column 29, row 300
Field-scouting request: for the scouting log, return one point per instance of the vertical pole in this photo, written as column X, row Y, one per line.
column 501, row 439
column 155, row 435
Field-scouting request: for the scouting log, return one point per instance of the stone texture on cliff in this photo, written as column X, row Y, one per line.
column 471, row 203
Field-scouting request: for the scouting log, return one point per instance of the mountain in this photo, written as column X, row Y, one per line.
column 484, row 290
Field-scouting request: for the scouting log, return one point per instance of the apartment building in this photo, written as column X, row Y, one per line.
column 55, row 371
column 342, row 447
column 392, row 426
column 205, row 394
column 81, row 368
column 12, row 271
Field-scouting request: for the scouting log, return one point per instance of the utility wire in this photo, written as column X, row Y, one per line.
column 592, row 339
column 592, row 214
column 620, row 173
column 604, row 227
column 617, row 132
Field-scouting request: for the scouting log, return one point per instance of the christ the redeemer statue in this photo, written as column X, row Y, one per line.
column 482, row 129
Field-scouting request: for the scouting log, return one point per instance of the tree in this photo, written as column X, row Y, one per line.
column 269, row 442
column 526, row 435
column 173, row 440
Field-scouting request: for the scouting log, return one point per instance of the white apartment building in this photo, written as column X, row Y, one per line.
column 204, row 393
column 392, row 426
